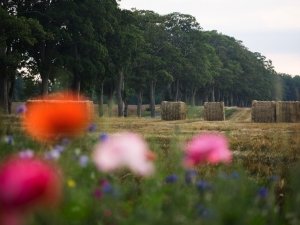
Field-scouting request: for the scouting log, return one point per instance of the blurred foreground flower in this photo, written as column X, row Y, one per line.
column 26, row 183
column 21, row 109
column 190, row 176
column 124, row 150
column 56, row 116
column 9, row 139
column 171, row 179
column 207, row 148
column 26, row 154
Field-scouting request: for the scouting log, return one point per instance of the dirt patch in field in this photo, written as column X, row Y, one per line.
column 240, row 115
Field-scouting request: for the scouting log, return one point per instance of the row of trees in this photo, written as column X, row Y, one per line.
column 94, row 47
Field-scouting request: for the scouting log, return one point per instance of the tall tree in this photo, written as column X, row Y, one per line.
column 16, row 33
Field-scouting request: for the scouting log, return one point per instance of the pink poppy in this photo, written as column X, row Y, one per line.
column 124, row 150
column 26, row 183
column 207, row 148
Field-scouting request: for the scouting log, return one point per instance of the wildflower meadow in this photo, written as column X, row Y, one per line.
column 62, row 165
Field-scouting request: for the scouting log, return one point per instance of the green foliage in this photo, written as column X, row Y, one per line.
column 195, row 112
column 90, row 43
column 229, row 112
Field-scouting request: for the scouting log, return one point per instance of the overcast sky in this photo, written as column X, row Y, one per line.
column 271, row 27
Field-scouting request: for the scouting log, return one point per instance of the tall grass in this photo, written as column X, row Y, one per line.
column 258, row 188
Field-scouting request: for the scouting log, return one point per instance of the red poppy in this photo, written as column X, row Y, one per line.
column 25, row 184
column 57, row 115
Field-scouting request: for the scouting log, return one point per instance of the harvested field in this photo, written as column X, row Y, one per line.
column 264, row 148
column 239, row 114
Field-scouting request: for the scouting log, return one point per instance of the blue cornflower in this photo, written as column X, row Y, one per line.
column 263, row 192
column 92, row 127
column 65, row 141
column 9, row 139
column 171, row 179
column 21, row 109
column 83, row 160
column 190, row 176
column 53, row 154
column 274, row 178
column 107, row 188
column 103, row 137
column 204, row 212
column 235, row 175
column 203, row 185
column 59, row 148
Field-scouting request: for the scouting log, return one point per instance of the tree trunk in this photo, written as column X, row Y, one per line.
column 11, row 86
column 125, row 108
column 101, row 102
column 4, row 92
column 119, row 93
column 194, row 92
column 139, row 103
column 186, row 97
column 177, row 91
column 76, row 75
column 110, row 103
column 152, row 98
column 4, row 82
column 219, row 98
column 169, row 93
column 213, row 94
column 76, row 84
column 44, row 69
column 206, row 97
column 45, row 84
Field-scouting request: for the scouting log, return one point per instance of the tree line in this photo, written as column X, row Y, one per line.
column 131, row 56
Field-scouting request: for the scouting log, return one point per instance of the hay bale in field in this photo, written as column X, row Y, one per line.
column 214, row 111
column 263, row 111
column 287, row 112
column 89, row 105
column 173, row 110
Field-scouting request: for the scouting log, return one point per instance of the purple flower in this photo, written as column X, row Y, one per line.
column 263, row 192
column 65, row 141
column 274, row 178
column 26, row 154
column 103, row 137
column 203, row 186
column 92, row 128
column 21, row 109
column 53, row 154
column 107, row 188
column 84, row 160
column 59, row 148
column 9, row 139
column 235, row 175
column 190, row 176
column 171, row 179
column 204, row 212
column 104, row 188
column 97, row 193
